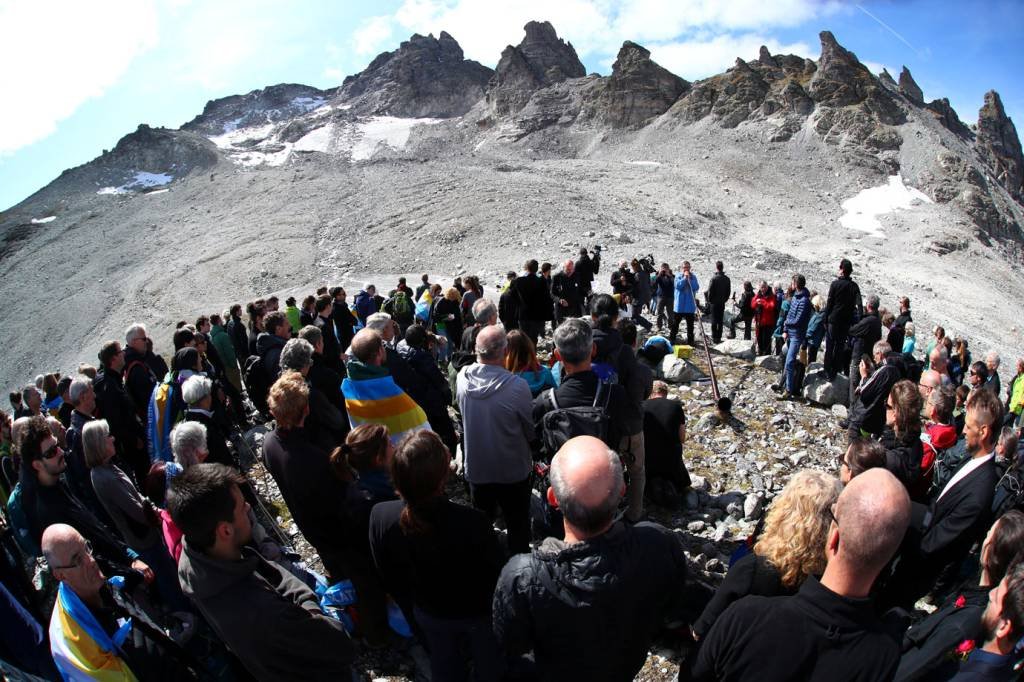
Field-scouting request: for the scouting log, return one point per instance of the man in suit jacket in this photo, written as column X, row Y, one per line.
column 959, row 513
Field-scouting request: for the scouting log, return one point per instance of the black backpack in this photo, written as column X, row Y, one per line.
column 563, row 423
column 257, row 383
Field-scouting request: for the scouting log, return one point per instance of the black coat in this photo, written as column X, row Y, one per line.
column 928, row 643
column 332, row 348
column 814, row 635
column 239, row 339
column 508, row 309
column 269, row 347
column 327, row 381
column 435, row 394
column 139, row 380
column 115, row 405
column 316, row 497
column 750, row 575
column 868, row 409
column 719, row 289
column 216, row 442
column 585, row 271
column 589, row 610
column 534, row 299
column 843, row 301
column 865, row 334
column 897, row 333
column 453, row 327
column 567, row 287
column 903, row 456
column 344, row 322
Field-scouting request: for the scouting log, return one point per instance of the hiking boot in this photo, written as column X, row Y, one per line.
column 777, row 388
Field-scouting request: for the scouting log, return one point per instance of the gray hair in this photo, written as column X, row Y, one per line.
column 195, row 389
column 133, row 332
column 94, row 442
column 378, row 321
column 993, row 357
column 188, row 439
column 872, row 302
column 297, row 354
column 484, row 311
column 882, row 347
column 579, row 515
column 80, row 385
column 311, row 333
column 943, row 400
column 574, row 340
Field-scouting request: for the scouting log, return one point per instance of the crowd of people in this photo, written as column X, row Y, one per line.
column 135, row 545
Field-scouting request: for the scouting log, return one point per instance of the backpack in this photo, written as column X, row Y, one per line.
column 563, row 423
column 363, row 305
column 162, row 417
column 19, row 523
column 606, row 372
column 401, row 307
column 257, row 383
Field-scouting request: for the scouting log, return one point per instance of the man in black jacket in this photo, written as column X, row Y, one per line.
column 897, row 333
column 719, row 292
column 944, row 531
column 139, row 379
column 828, row 630
column 268, row 618
column 344, row 319
column 508, row 304
column 322, row 377
column 436, row 393
column 325, row 323
column 239, row 334
column 589, row 606
column 534, row 301
column 842, row 304
column 565, row 288
column 585, row 272
column 865, row 334
column 115, row 405
column 867, row 409
column 269, row 343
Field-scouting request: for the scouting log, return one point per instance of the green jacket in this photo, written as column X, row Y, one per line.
column 1017, row 395
column 222, row 342
column 294, row 318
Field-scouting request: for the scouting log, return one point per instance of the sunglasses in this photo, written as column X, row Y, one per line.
column 77, row 560
column 51, row 452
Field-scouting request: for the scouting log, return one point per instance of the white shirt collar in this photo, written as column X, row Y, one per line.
column 964, row 470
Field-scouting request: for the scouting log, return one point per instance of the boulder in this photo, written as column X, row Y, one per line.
column 818, row 389
column 678, row 371
column 753, row 506
column 772, row 363
column 737, row 348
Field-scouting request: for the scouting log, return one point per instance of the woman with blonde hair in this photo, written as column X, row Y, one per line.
column 521, row 360
column 791, row 547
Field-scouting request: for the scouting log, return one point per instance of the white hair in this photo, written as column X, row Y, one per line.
column 80, row 385
column 993, row 357
column 133, row 332
column 188, row 439
column 378, row 321
column 195, row 389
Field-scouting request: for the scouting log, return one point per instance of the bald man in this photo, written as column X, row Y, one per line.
column 565, row 289
column 498, row 429
column 84, row 598
column 828, row 630
column 589, row 605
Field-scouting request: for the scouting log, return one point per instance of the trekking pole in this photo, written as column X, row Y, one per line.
column 724, row 405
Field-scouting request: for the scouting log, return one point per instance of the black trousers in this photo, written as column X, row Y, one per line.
column 764, row 340
column 717, row 321
column 674, row 327
column 746, row 329
column 514, row 501
column 835, row 349
column 532, row 328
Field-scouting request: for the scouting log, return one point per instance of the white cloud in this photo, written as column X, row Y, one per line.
column 371, row 36
column 695, row 59
column 58, row 55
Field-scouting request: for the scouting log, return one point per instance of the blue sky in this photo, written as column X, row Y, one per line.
column 78, row 75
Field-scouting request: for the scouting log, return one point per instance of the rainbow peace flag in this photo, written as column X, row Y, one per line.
column 381, row 401
column 81, row 648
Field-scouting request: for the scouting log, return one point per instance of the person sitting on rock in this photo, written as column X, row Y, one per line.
column 588, row 606
column 861, row 454
column 664, row 435
column 928, row 644
column 867, row 411
column 788, row 549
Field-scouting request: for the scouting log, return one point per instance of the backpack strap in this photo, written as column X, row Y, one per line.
column 550, row 393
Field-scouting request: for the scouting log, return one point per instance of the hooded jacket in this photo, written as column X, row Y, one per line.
column 434, row 393
column 221, row 340
column 611, row 350
column 903, row 456
column 267, row 617
column 799, row 313
column 816, row 329
column 686, row 296
column 589, row 610
column 497, row 424
column 239, row 338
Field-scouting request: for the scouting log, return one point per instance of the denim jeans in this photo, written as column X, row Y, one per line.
column 450, row 640
column 793, row 350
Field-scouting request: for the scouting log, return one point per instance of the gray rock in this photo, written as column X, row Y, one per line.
column 840, row 411
column 708, row 422
column 772, row 363
column 678, row 371
column 698, row 482
column 714, row 565
column 721, row 532
column 753, row 507
column 737, row 348
column 819, row 389
column 695, row 526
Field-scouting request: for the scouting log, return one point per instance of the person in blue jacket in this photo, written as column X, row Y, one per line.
column 685, row 305
column 795, row 329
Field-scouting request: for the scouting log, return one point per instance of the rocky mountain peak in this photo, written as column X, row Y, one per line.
column 840, row 79
column 909, row 87
column 426, row 77
column 637, row 90
column 266, row 105
column 886, row 79
column 999, row 146
column 541, row 59
column 765, row 57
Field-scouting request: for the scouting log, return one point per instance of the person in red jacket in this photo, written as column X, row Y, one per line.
column 765, row 308
column 939, row 434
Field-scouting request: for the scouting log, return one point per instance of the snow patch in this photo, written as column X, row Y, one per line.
column 43, row 221
column 318, row 140
column 863, row 209
column 644, row 163
column 158, row 191
column 142, row 180
column 234, row 137
column 387, row 130
column 308, row 103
